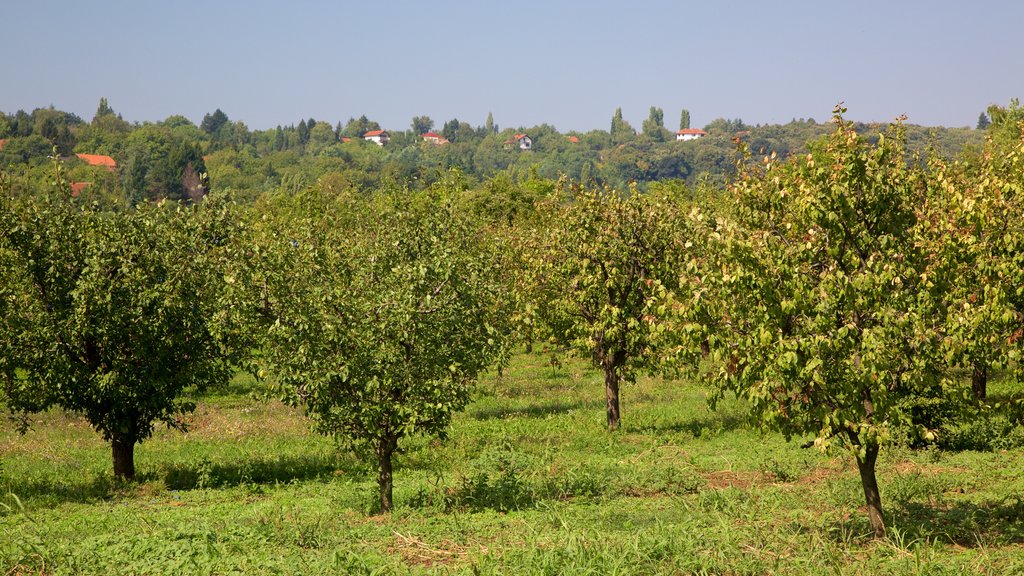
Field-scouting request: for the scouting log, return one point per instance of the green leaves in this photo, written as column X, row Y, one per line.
column 114, row 310
column 607, row 264
column 824, row 301
column 378, row 314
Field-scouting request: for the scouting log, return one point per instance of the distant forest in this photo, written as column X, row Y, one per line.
column 177, row 159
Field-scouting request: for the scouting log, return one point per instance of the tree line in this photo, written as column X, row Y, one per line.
column 854, row 296
column 174, row 157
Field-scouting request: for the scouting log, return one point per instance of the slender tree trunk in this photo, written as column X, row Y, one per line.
column 979, row 382
column 123, row 450
column 873, row 498
column 385, row 450
column 611, row 395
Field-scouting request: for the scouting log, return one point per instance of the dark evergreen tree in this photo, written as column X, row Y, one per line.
column 213, row 122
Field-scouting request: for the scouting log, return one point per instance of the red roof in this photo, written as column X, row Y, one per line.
column 2, row 142
column 574, row 139
column 345, row 139
column 98, row 160
column 373, row 133
column 77, row 187
column 520, row 136
column 435, row 138
column 696, row 131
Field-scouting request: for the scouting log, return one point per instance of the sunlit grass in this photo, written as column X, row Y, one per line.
column 528, row 482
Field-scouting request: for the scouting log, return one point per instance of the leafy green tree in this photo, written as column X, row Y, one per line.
column 684, row 119
column 977, row 243
column 212, row 123
column 983, row 121
column 28, row 150
column 421, row 125
column 829, row 325
column 489, row 125
column 113, row 313
column 22, row 124
column 321, row 135
column 606, row 265
column 55, row 126
column 157, row 163
column 724, row 126
column 621, row 131
column 377, row 317
column 451, row 130
column 359, row 126
column 654, row 126
column 102, row 110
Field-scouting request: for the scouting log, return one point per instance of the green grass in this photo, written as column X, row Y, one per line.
column 528, row 482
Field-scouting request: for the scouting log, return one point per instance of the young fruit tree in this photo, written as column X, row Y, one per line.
column 605, row 266
column 107, row 313
column 975, row 231
column 375, row 315
column 830, row 322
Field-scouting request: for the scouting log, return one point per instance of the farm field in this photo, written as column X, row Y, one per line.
column 528, row 482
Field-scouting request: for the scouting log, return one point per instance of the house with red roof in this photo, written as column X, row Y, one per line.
column 99, row 160
column 77, row 187
column 378, row 137
column 434, row 138
column 2, row 142
column 690, row 134
column 522, row 140
column 574, row 140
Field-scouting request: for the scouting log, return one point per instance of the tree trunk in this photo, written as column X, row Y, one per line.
column 385, row 450
column 611, row 395
column 873, row 498
column 979, row 382
column 124, row 457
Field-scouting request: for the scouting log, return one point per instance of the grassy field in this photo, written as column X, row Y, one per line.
column 528, row 482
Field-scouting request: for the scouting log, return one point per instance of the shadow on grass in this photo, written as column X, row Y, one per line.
column 209, row 474
column 967, row 524
column 532, row 411
column 711, row 424
column 182, row 476
column 46, row 492
column 507, row 491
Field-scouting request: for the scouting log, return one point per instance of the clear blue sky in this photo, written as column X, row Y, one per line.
column 566, row 63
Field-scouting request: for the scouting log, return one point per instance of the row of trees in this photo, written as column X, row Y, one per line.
column 255, row 161
column 841, row 293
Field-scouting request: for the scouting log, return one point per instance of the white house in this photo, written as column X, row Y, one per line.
column 522, row 140
column 378, row 137
column 690, row 134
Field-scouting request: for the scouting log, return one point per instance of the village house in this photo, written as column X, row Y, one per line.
column 690, row 134
column 522, row 140
column 433, row 138
column 378, row 137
